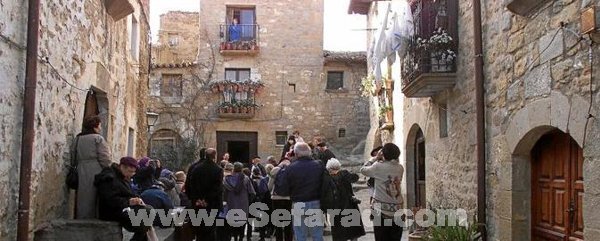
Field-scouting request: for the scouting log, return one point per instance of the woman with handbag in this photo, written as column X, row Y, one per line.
column 344, row 200
column 90, row 154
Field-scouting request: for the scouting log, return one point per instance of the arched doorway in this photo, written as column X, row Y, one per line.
column 91, row 105
column 557, row 188
column 415, row 168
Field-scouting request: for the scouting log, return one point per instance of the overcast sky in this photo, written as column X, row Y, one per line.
column 343, row 32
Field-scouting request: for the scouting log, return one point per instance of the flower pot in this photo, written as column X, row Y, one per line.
column 439, row 64
column 229, row 109
column 389, row 116
column 229, row 46
column 244, row 109
column 223, row 46
column 214, row 89
column 221, row 87
column 389, row 84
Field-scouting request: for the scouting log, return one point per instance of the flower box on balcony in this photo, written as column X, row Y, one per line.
column 237, row 112
column 430, row 65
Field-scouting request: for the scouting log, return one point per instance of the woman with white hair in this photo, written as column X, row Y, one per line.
column 344, row 200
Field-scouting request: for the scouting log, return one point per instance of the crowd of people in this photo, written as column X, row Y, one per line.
column 306, row 177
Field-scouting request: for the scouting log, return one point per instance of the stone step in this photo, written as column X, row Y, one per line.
column 76, row 230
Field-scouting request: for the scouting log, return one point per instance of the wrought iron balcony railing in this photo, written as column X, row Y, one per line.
column 236, row 38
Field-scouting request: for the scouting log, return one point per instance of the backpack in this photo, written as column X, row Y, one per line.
column 329, row 191
column 263, row 186
column 281, row 187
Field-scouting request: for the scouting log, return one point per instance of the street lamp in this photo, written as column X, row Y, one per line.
column 152, row 118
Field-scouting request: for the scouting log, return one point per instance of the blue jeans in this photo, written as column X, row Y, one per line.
column 308, row 220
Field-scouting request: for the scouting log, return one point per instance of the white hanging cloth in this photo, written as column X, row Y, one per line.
column 379, row 51
column 401, row 30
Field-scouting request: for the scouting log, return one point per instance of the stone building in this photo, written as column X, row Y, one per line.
column 541, row 103
column 254, row 83
column 93, row 59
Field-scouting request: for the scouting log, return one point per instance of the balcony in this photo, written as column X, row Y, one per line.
column 238, row 98
column 239, row 39
column 427, row 73
column 237, row 110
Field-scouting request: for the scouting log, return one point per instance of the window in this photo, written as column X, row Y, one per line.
column 443, row 119
column 335, row 80
column 171, row 85
column 237, row 74
column 246, row 19
column 281, row 137
column 430, row 15
column 173, row 40
column 130, row 141
column 134, row 38
column 342, row 132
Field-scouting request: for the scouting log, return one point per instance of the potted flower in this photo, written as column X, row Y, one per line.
column 225, row 107
column 387, row 112
column 253, row 45
column 367, row 85
column 440, row 47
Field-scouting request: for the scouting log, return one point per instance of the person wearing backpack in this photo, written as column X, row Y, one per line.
column 344, row 200
column 277, row 176
column 264, row 196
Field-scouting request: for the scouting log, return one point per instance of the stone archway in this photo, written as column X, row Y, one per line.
column 527, row 126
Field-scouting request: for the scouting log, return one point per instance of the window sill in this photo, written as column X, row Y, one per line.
column 337, row 90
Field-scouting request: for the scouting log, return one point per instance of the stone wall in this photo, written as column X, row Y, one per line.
column 177, row 38
column 79, row 45
column 291, row 64
column 538, row 77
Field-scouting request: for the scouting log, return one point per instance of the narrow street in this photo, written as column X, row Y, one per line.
column 361, row 193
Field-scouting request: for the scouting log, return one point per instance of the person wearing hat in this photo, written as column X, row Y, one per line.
column 324, row 153
column 387, row 197
column 116, row 197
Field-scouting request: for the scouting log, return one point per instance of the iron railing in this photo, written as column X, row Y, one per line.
column 239, row 36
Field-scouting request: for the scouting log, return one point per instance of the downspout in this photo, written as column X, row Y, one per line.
column 28, row 132
column 480, row 109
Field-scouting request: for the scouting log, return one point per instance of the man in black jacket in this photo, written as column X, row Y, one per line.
column 206, row 191
column 116, row 197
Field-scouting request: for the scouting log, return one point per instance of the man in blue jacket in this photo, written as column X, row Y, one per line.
column 303, row 185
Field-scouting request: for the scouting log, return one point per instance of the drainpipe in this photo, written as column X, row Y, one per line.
column 27, row 138
column 480, row 109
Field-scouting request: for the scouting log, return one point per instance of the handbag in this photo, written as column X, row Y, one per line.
column 72, row 179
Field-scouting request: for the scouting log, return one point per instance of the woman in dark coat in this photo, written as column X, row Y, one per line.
column 344, row 200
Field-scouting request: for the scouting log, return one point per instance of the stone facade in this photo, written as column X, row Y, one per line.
column 80, row 47
column 291, row 64
column 177, row 38
column 537, row 79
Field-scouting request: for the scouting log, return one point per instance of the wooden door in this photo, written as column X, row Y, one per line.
column 420, row 191
column 557, row 189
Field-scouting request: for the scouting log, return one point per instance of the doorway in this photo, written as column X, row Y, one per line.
column 420, row 191
column 239, row 151
column 241, row 146
column 415, row 168
column 557, row 188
